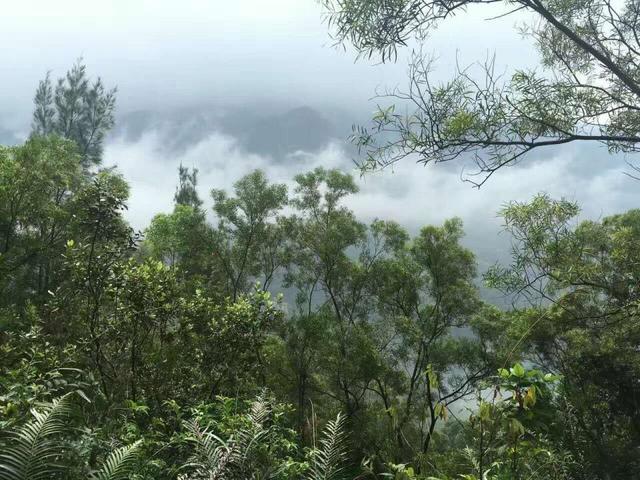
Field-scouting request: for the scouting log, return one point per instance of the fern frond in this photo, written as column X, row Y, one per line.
column 238, row 456
column 260, row 410
column 246, row 438
column 212, row 454
column 32, row 450
column 329, row 461
column 119, row 464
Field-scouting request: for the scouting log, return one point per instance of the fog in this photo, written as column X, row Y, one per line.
column 164, row 54
column 410, row 193
column 220, row 85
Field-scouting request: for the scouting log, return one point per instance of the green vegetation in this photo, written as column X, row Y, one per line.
column 585, row 90
column 173, row 355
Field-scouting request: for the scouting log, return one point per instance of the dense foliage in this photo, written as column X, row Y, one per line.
column 288, row 339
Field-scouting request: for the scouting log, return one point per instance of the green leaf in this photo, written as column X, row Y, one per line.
column 518, row 370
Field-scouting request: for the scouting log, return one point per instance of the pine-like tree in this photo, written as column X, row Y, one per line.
column 186, row 193
column 76, row 109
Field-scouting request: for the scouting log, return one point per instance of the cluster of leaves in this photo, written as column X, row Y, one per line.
column 237, row 442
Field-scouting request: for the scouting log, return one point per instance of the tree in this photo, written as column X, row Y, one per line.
column 586, row 91
column 579, row 284
column 39, row 182
column 181, row 239
column 426, row 298
column 77, row 110
column 186, row 193
column 376, row 330
column 330, row 286
column 248, row 236
column 98, row 243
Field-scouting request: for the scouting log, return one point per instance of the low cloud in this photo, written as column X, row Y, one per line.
column 411, row 194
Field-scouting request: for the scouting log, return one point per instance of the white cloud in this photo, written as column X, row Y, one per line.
column 411, row 194
column 152, row 171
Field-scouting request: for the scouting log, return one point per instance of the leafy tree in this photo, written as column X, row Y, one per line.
column 99, row 241
column 76, row 109
column 238, row 330
column 186, row 193
column 426, row 299
column 375, row 326
column 581, row 283
column 248, row 237
column 507, row 434
column 181, row 239
column 321, row 272
column 586, row 90
column 295, row 361
column 38, row 184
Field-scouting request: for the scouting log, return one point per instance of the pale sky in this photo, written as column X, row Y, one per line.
column 169, row 52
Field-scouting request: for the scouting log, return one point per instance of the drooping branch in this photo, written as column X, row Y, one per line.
column 588, row 89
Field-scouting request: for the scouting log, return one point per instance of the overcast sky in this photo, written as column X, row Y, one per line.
column 172, row 53
column 168, row 54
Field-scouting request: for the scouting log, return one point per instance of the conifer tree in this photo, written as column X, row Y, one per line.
column 76, row 109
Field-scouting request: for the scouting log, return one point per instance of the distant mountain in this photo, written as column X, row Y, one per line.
column 299, row 129
column 178, row 129
column 272, row 133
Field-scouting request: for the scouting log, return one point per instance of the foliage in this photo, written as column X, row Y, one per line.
column 77, row 110
column 580, row 280
column 186, row 193
column 248, row 239
column 39, row 182
column 585, row 91
column 119, row 464
column 328, row 461
column 34, row 449
column 189, row 365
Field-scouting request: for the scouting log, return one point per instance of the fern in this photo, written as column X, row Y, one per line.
column 329, row 461
column 237, row 457
column 212, row 454
column 245, row 439
column 260, row 410
column 119, row 464
column 33, row 449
